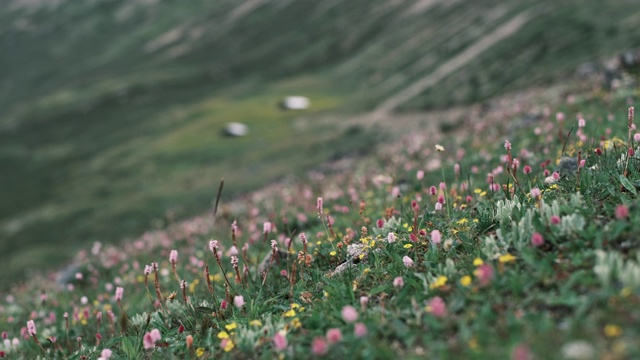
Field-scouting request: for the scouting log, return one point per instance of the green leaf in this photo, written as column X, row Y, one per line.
column 628, row 185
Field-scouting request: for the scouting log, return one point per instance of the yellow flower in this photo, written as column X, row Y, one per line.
column 476, row 221
column 295, row 305
column 228, row 346
column 483, row 193
column 611, row 330
column 373, row 243
column 361, row 256
column 290, row 313
column 231, row 326
column 366, row 271
column 407, row 246
column 255, row 323
column 506, row 258
column 440, row 281
column 477, row 191
column 318, row 242
column 199, row 352
column 223, row 335
column 462, row 221
column 477, row 262
column 465, row 280
column 140, row 278
column 333, row 253
column 296, row 323
column 473, row 343
column 625, row 292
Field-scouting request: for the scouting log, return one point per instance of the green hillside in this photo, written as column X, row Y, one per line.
column 111, row 110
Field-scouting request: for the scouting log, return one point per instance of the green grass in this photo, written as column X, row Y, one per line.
column 97, row 128
column 485, row 290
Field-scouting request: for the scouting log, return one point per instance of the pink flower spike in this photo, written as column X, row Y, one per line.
column 582, row 163
column 437, row 307
column 537, row 240
column 238, row 301
column 555, row 219
column 349, row 314
column 581, row 123
column 148, row 341
column 119, row 293
column 507, row 145
column 432, row 190
column 391, row 238
column 420, row 175
column 407, row 261
column 319, row 346
column 526, row 169
column 436, row 237
column 334, row 335
column 266, row 227
column 319, row 207
column 438, row 206
column 173, row 257
column 622, row 212
column 360, row 330
column 155, row 335
column 556, row 175
column 31, row 327
column 398, row 282
column 279, row 341
column 484, row 273
column 636, row 137
column 106, row 354
column 535, row 193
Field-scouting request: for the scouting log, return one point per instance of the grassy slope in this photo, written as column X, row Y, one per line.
column 570, row 295
column 96, row 130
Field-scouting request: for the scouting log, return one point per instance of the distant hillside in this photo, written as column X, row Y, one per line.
column 111, row 110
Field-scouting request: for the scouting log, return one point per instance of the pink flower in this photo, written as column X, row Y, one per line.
column 582, row 163
column 527, row 169
column 441, row 199
column 398, row 282
column 437, row 307
column 438, row 206
column 559, row 116
column 319, row 346
column 319, row 207
column 521, row 352
column 456, row 168
column 391, row 238
column 484, row 273
column 31, row 327
column 349, row 314
column 433, row 190
column 380, row 223
column 636, row 137
column 581, row 123
column 238, row 301
column 364, row 300
column 119, row 292
column 266, row 227
column 555, row 219
column 507, row 145
column 556, row 175
column 223, row 305
column 173, row 257
column 334, row 335
column 150, row 338
column 280, row 341
column 436, row 237
column 395, row 192
column 598, row 151
column 536, row 239
column 622, row 212
column 535, row 193
column 105, row 354
column 213, row 245
column 360, row 330
column 420, row 175
column 407, row 261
